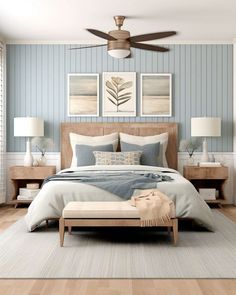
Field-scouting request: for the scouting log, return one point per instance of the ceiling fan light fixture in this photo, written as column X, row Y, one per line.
column 119, row 53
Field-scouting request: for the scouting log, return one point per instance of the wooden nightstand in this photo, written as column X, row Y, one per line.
column 21, row 175
column 208, row 177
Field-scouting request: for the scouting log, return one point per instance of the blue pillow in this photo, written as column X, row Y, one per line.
column 84, row 153
column 150, row 152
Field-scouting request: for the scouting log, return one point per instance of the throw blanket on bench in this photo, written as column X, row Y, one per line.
column 154, row 207
column 120, row 184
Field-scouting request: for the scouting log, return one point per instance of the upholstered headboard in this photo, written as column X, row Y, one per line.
column 142, row 129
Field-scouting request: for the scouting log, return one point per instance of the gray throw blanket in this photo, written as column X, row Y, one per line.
column 120, row 184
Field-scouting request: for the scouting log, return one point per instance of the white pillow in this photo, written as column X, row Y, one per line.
column 91, row 140
column 143, row 140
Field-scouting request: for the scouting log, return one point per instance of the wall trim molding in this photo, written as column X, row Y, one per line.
column 53, row 158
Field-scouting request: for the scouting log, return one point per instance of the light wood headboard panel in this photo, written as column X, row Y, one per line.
column 142, row 129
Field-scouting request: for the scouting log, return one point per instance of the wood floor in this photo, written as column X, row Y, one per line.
column 9, row 215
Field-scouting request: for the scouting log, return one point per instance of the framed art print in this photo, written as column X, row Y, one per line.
column 156, row 95
column 83, row 94
column 119, row 94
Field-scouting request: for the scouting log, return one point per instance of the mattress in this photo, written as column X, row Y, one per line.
column 54, row 196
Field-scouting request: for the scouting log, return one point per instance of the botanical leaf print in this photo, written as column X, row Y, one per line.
column 115, row 88
column 125, row 85
column 110, row 86
column 112, row 94
column 117, row 80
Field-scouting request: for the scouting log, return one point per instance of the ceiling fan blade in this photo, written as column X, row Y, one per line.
column 101, row 34
column 152, row 36
column 89, row 46
column 148, row 47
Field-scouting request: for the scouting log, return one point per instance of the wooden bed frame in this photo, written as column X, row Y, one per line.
column 96, row 129
column 141, row 129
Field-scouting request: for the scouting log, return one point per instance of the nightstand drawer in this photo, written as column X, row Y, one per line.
column 191, row 172
column 17, row 172
column 217, row 173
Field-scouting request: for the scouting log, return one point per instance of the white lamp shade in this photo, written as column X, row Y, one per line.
column 119, row 53
column 28, row 127
column 206, row 127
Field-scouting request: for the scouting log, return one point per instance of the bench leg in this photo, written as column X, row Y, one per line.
column 175, row 231
column 69, row 230
column 62, row 230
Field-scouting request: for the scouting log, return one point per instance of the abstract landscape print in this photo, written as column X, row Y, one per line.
column 156, row 97
column 119, row 94
column 83, row 94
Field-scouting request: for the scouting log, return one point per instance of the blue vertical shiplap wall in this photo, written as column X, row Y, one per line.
column 202, row 85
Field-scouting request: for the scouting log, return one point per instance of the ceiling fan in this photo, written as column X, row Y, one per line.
column 119, row 41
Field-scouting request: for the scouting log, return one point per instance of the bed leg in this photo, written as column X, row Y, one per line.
column 62, row 230
column 69, row 230
column 175, row 231
column 46, row 223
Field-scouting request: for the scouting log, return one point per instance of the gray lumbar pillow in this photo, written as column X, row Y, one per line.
column 150, row 152
column 85, row 156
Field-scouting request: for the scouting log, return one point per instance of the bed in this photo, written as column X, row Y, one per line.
column 54, row 195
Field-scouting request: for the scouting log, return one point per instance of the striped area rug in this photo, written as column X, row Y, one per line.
column 114, row 253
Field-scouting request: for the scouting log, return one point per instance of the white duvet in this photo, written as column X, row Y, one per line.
column 54, row 195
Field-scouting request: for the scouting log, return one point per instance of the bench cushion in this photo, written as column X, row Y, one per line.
column 101, row 210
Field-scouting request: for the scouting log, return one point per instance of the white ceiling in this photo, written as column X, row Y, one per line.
column 65, row 20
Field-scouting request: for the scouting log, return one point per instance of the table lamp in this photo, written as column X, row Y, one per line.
column 28, row 127
column 205, row 127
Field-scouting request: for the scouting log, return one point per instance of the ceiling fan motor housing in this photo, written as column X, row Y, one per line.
column 121, row 42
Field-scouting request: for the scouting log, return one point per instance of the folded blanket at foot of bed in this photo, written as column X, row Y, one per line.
column 154, row 207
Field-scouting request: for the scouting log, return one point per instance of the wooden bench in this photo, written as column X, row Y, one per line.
column 105, row 214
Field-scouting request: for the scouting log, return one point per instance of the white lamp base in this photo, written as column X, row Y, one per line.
column 205, row 156
column 28, row 159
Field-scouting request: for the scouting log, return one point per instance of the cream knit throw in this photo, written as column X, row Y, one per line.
column 154, row 207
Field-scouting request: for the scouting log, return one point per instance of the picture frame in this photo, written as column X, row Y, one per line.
column 119, row 94
column 83, row 95
column 156, row 95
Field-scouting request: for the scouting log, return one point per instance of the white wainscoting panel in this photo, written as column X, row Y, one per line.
column 229, row 159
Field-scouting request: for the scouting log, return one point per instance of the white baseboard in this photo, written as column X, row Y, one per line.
column 54, row 159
